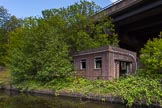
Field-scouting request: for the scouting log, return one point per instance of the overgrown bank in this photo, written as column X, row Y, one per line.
column 139, row 89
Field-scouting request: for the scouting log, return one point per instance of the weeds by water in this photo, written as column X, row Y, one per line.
column 132, row 89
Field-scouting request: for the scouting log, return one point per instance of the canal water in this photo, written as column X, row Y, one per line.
column 20, row 100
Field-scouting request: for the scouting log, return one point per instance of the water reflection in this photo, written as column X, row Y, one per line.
column 15, row 100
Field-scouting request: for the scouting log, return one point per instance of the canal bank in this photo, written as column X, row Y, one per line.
column 26, row 100
column 91, row 97
column 65, row 94
column 130, row 90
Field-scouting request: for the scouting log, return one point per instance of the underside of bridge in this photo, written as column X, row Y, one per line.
column 138, row 24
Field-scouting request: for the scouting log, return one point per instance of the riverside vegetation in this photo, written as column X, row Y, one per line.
column 37, row 55
column 140, row 89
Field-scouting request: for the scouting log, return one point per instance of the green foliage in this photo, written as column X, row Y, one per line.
column 81, row 30
column 80, row 8
column 133, row 89
column 104, row 33
column 12, row 23
column 37, row 52
column 7, row 23
column 29, row 85
column 4, row 15
column 57, row 84
column 151, row 56
column 2, row 46
column 139, row 90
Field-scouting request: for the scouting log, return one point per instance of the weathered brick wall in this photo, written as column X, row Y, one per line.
column 109, row 57
column 90, row 70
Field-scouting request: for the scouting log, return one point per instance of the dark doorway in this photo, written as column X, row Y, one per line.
column 122, row 68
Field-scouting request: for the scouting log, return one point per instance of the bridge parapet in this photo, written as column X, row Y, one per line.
column 115, row 7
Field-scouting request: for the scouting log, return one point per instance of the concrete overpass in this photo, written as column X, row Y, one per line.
column 136, row 21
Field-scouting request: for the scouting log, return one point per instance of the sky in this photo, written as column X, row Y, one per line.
column 26, row 8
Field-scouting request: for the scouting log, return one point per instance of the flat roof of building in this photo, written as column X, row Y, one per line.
column 104, row 49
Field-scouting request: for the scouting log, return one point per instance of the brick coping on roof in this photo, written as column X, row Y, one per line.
column 104, row 49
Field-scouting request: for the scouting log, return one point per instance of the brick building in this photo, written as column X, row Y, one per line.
column 104, row 63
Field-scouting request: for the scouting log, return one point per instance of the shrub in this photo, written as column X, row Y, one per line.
column 151, row 55
column 37, row 52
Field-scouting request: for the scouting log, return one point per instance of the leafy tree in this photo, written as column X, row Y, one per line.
column 2, row 46
column 8, row 23
column 80, row 8
column 104, row 33
column 37, row 52
column 80, row 29
column 151, row 55
column 12, row 23
column 4, row 15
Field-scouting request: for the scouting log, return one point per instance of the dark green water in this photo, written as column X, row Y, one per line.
column 15, row 100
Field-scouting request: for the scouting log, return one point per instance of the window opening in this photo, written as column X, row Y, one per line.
column 98, row 63
column 83, row 64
